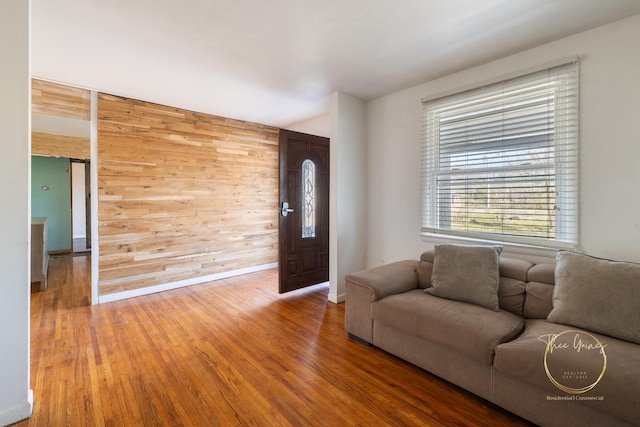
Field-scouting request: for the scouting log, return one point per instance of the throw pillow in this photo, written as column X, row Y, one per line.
column 597, row 294
column 467, row 273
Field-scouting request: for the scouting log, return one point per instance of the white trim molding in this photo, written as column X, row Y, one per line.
column 19, row 412
column 336, row 299
column 182, row 283
column 93, row 172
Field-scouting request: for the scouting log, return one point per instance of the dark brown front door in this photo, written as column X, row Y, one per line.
column 304, row 210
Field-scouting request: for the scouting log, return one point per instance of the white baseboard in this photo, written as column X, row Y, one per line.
column 17, row 413
column 182, row 283
column 336, row 299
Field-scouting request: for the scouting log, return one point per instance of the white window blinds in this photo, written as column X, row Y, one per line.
column 501, row 162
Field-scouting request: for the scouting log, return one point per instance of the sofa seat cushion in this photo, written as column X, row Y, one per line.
column 575, row 362
column 466, row 328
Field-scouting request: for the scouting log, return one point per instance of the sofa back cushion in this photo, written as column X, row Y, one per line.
column 467, row 273
column 425, row 269
column 539, row 291
column 597, row 294
column 511, row 290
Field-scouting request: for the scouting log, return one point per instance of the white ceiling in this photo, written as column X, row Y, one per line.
column 277, row 62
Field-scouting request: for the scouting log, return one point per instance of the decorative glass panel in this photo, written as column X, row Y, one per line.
column 308, row 199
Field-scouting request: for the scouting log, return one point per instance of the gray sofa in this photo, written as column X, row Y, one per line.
column 557, row 343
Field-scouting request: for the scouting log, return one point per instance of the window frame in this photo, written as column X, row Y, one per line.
column 566, row 221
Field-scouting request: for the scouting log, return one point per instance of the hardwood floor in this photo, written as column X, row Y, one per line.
column 226, row 353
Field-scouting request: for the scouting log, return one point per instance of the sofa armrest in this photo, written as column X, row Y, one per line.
column 385, row 280
column 367, row 286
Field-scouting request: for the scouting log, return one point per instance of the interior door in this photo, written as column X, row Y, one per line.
column 304, row 210
column 81, row 204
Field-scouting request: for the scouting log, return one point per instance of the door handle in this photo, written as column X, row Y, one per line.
column 285, row 209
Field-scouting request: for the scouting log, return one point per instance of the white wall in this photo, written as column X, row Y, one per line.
column 320, row 126
column 609, row 145
column 15, row 396
column 347, row 204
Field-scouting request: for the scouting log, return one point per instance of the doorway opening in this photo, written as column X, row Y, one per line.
column 80, row 206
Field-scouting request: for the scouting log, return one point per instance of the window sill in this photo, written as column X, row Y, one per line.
column 509, row 247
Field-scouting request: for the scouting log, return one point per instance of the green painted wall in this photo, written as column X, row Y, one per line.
column 54, row 203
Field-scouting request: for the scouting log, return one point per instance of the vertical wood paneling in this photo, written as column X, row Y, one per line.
column 181, row 194
column 60, row 100
column 48, row 144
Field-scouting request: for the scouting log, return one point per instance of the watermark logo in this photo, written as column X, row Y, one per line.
column 575, row 361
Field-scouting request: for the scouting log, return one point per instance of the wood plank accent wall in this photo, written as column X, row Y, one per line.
column 48, row 144
column 181, row 194
column 60, row 100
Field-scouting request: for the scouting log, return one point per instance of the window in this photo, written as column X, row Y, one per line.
column 501, row 162
column 308, row 199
